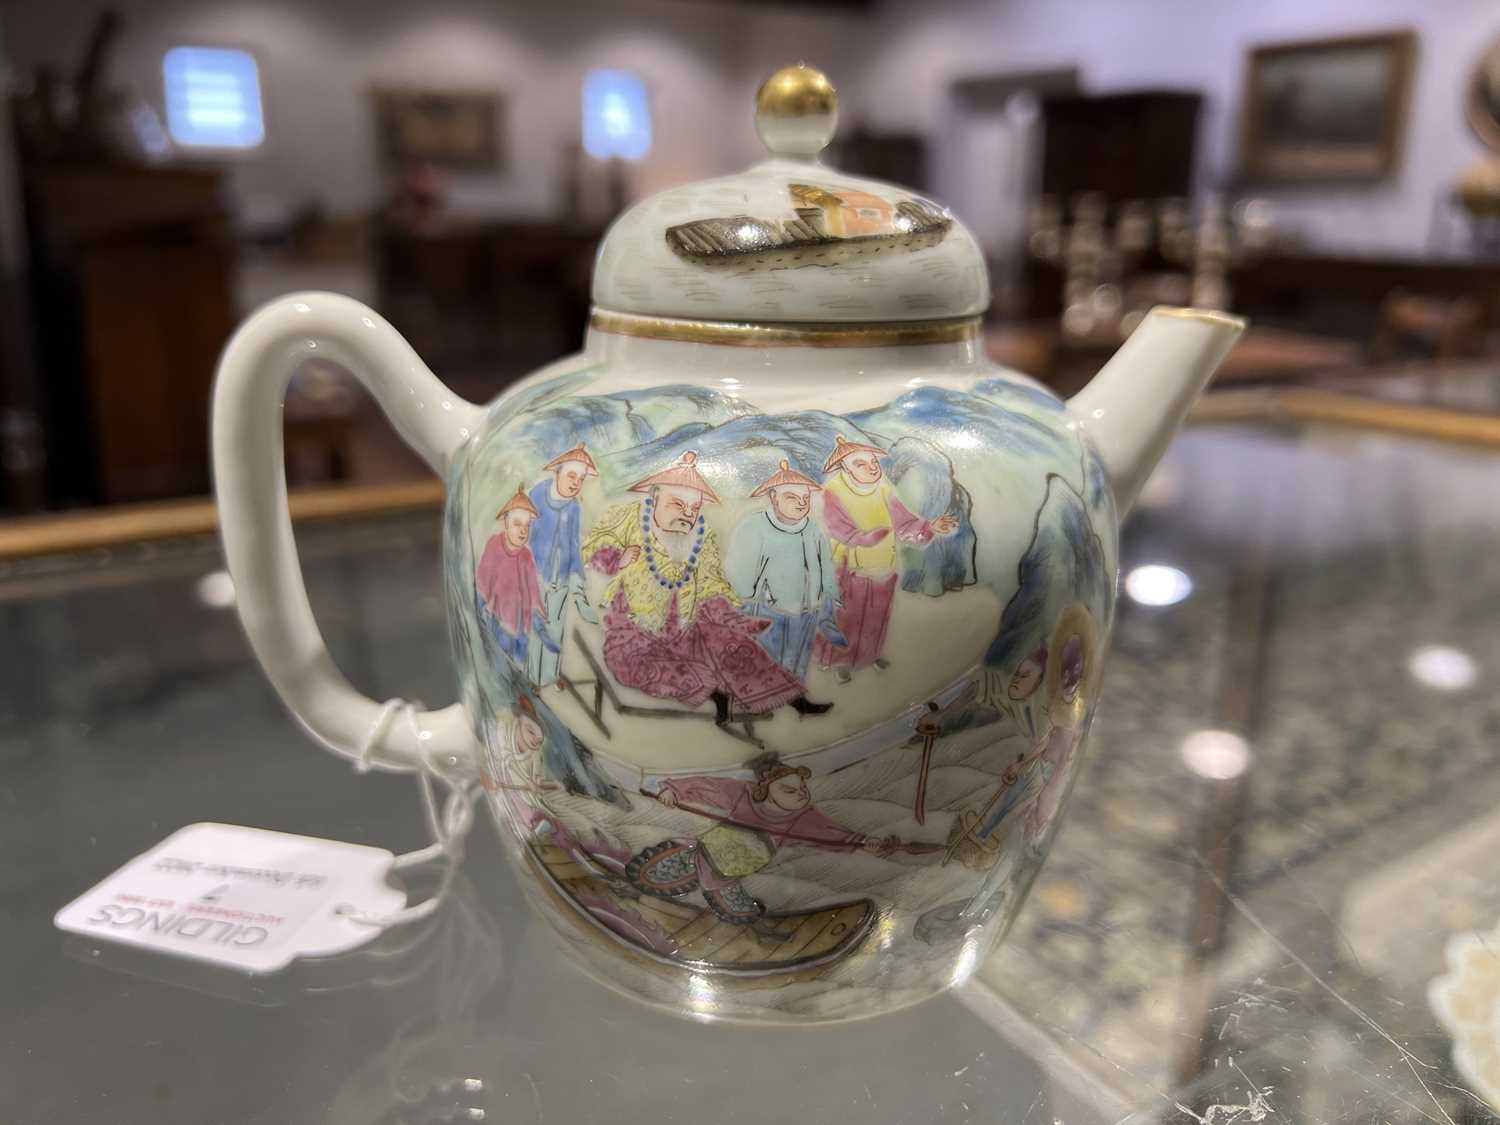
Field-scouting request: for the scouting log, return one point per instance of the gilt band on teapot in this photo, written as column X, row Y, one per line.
column 879, row 334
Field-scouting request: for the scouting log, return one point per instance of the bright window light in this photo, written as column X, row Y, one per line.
column 616, row 118
column 213, row 97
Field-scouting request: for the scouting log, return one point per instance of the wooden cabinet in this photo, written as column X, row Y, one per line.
column 132, row 270
column 489, row 297
column 1136, row 145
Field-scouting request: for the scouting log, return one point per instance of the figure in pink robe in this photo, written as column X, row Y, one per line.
column 866, row 519
column 755, row 820
column 506, row 580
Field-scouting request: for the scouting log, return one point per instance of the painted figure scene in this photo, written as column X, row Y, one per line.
column 770, row 585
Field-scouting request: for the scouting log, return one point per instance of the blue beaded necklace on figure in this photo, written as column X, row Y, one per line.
column 650, row 551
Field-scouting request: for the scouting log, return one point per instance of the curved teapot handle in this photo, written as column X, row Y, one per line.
column 256, row 527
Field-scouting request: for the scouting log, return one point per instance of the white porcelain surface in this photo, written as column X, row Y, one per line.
column 258, row 544
column 638, row 272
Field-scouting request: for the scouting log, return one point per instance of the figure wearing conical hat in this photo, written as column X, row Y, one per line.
column 866, row 519
column 507, row 582
column 555, row 539
column 674, row 628
column 681, row 474
column 781, row 565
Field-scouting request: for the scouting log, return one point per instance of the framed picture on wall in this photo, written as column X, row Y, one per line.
column 1326, row 109
column 457, row 129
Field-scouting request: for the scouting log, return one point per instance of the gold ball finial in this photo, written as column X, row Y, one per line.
column 796, row 112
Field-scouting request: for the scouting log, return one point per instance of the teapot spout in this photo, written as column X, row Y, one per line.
column 1135, row 404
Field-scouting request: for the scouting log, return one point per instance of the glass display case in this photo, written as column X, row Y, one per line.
column 1284, row 827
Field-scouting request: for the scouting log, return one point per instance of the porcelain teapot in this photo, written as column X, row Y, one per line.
column 779, row 610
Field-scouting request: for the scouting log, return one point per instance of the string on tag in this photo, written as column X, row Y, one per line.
column 448, row 825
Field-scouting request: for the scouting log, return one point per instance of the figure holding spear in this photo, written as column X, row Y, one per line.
column 753, row 821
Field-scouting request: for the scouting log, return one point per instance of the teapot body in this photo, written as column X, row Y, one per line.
column 779, row 610
column 781, row 646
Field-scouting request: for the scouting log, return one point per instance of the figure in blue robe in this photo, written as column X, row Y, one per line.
column 781, row 564
column 555, row 537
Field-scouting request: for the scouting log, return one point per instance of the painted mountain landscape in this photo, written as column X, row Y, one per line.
column 982, row 456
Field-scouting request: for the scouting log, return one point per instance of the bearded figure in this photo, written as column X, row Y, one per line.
column 673, row 625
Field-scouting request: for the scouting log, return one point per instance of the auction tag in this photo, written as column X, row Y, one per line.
column 243, row 897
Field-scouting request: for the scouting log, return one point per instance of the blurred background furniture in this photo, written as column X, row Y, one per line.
column 1139, row 144
column 1115, row 176
column 486, row 296
column 1343, row 294
column 460, row 187
column 1066, row 361
column 1446, row 328
column 132, row 270
column 898, row 158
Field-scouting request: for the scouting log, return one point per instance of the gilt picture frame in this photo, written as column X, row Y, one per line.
column 451, row 128
column 1326, row 109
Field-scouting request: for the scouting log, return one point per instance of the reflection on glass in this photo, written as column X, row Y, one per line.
column 1442, row 668
column 1218, row 755
column 1157, row 585
column 967, row 960
column 702, row 998
column 216, row 589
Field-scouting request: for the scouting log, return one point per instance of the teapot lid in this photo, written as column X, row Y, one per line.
column 790, row 239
